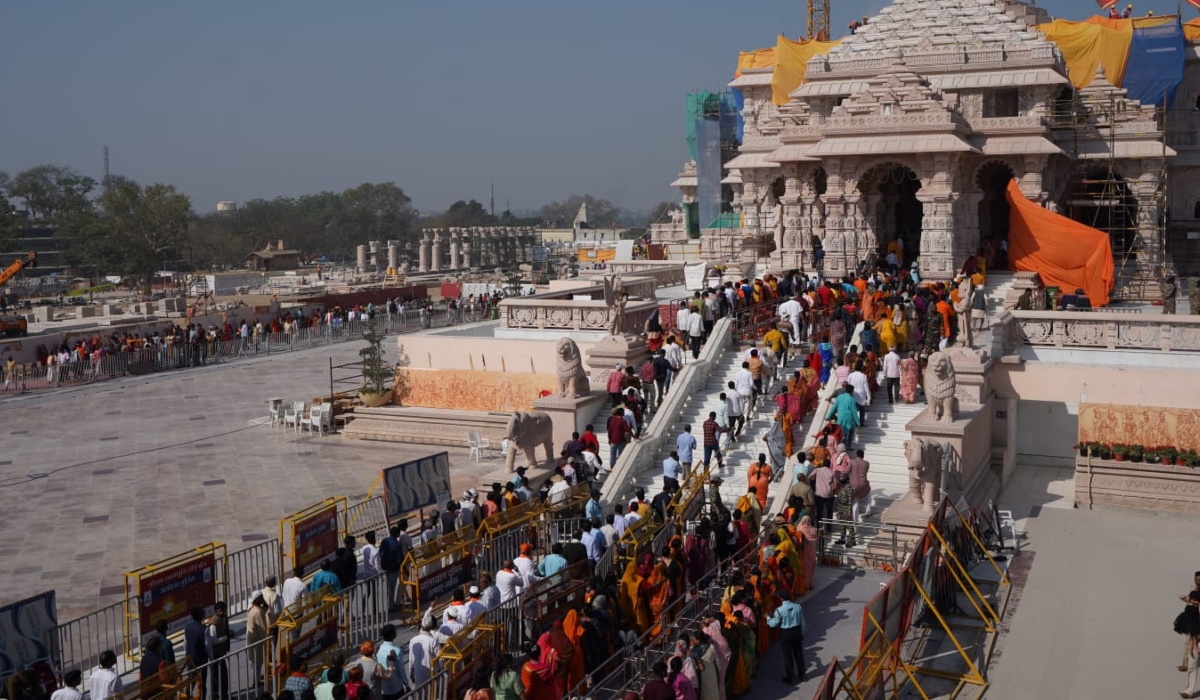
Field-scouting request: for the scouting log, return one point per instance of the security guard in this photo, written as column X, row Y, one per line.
column 789, row 618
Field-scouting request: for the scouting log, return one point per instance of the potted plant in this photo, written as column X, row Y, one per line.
column 1150, row 455
column 1120, row 451
column 375, row 372
column 1191, row 459
column 1135, row 453
column 1181, row 459
column 1105, row 450
column 1167, row 454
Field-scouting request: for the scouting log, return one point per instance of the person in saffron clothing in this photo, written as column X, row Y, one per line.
column 538, row 677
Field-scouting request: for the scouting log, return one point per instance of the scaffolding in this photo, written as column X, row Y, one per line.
column 1100, row 196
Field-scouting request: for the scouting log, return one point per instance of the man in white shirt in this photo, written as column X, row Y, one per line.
column 294, row 588
column 593, row 541
column 525, row 566
column 508, row 582
column 105, row 683
column 862, row 391
column 735, row 404
column 743, row 382
column 790, row 312
column 695, row 331
column 474, row 607
column 681, row 317
column 674, row 355
column 671, row 471
column 559, row 488
column 490, row 597
column 891, row 374
column 370, row 558
column 610, row 530
column 70, row 689
column 451, row 626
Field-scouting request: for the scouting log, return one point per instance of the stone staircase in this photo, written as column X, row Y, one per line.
column 695, row 411
column 882, row 442
column 998, row 285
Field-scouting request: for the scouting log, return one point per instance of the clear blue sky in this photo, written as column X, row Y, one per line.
column 236, row 100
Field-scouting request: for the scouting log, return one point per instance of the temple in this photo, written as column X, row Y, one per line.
column 911, row 128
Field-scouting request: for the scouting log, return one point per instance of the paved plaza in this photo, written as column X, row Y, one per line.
column 146, row 467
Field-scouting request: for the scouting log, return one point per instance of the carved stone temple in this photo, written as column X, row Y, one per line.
column 912, row 126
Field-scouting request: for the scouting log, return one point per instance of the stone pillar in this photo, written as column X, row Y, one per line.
column 455, row 244
column 870, row 235
column 438, row 249
column 373, row 246
column 361, row 259
column 752, row 214
column 840, row 240
column 468, row 235
column 426, row 240
column 391, row 253
column 937, row 236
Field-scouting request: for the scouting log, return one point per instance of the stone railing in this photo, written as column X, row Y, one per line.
column 668, row 233
column 532, row 313
column 1096, row 329
column 689, row 383
column 664, row 274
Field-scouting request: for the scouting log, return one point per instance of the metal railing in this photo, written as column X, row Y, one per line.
column 364, row 611
column 242, row 674
column 878, row 544
column 246, row 570
column 80, row 641
column 182, row 354
column 436, row 688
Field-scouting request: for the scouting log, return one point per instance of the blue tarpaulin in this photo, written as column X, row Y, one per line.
column 708, row 168
column 1155, row 64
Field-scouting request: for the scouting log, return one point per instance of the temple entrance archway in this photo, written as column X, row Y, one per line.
column 1102, row 199
column 890, row 190
column 992, row 180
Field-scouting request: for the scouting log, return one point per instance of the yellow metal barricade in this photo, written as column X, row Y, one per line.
column 310, row 536
column 476, row 646
column 436, row 568
column 167, row 591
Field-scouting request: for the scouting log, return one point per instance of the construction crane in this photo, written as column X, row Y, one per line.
column 18, row 265
column 818, row 20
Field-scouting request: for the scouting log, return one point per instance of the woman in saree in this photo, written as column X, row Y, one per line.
column 538, row 677
column 887, row 334
column 910, row 375
column 715, row 634
column 901, row 325
column 790, row 554
column 654, row 336
column 871, row 369
column 655, row 593
column 558, row 654
column 573, row 631
column 628, row 600
column 745, row 657
column 808, row 531
column 868, row 304
column 690, row 668
column 696, row 551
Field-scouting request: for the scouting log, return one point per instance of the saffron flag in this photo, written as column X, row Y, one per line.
column 1105, row 4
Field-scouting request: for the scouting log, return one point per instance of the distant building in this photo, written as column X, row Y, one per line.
column 226, row 208
column 273, row 259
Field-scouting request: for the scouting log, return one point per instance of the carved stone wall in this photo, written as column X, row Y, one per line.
column 1140, row 425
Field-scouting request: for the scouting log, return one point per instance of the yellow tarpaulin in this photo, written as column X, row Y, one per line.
column 597, row 254
column 1191, row 30
column 1090, row 44
column 759, row 58
column 791, row 64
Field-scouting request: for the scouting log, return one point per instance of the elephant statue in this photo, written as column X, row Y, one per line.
column 924, row 458
column 527, row 430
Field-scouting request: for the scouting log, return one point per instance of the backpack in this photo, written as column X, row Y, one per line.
column 389, row 554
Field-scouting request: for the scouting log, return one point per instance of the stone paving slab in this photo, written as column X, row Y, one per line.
column 142, row 468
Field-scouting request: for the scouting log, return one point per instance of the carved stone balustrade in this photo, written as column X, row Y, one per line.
column 1111, row 330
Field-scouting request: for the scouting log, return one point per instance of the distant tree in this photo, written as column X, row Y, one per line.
column 601, row 212
column 462, row 214
column 376, row 211
column 131, row 230
column 507, row 218
column 48, row 189
column 10, row 226
column 659, row 213
column 5, row 181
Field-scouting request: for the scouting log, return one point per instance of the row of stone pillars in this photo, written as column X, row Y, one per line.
column 455, row 248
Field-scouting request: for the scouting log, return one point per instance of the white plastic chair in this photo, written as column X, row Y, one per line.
column 480, row 446
column 294, row 416
column 321, row 418
column 275, row 407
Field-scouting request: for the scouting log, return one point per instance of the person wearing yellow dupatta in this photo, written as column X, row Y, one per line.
column 744, row 663
column 900, row 323
column 574, row 632
column 629, row 600
column 887, row 334
column 788, row 554
column 868, row 304
column 764, row 595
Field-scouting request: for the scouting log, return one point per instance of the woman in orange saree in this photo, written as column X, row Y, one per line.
column 809, row 532
column 574, row 632
column 538, row 677
column 788, row 554
column 655, row 593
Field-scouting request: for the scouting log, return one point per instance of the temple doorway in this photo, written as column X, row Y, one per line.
column 992, row 181
column 1101, row 198
column 897, row 211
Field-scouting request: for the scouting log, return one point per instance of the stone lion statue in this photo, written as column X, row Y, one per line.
column 924, row 458
column 572, row 380
column 939, row 387
column 525, row 431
